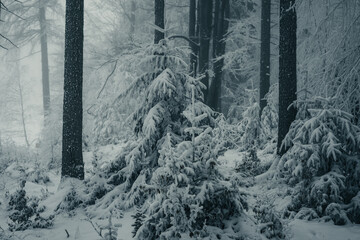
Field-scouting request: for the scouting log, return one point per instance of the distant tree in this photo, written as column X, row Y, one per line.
column 193, row 37
column 287, row 69
column 72, row 158
column 44, row 59
column 159, row 20
column 265, row 52
column 205, row 25
column 221, row 25
column 27, row 23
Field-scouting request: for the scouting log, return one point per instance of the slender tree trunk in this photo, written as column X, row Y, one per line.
column 205, row 20
column 72, row 158
column 23, row 122
column 265, row 52
column 221, row 24
column 193, row 37
column 287, row 69
column 159, row 19
column 44, row 61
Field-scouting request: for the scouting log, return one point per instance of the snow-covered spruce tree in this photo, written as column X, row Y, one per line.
column 269, row 119
column 323, row 161
column 249, row 126
column 171, row 169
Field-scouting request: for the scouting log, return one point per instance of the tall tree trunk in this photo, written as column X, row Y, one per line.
column 72, row 157
column 21, row 99
column 159, row 20
column 265, row 52
column 44, row 61
column 205, row 20
column 193, row 37
column 221, row 25
column 287, row 69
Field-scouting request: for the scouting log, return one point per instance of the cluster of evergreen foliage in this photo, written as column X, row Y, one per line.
column 322, row 162
column 171, row 170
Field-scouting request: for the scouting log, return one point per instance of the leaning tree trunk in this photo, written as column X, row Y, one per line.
column 159, row 20
column 193, row 37
column 221, row 25
column 287, row 69
column 205, row 20
column 72, row 157
column 265, row 52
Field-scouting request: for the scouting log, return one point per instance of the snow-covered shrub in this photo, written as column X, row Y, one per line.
column 139, row 219
column 73, row 194
column 171, row 169
column 251, row 164
column 353, row 209
column 323, row 145
column 24, row 213
column 249, row 126
column 38, row 174
column 269, row 221
column 269, row 118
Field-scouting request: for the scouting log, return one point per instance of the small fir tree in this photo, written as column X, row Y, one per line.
column 322, row 159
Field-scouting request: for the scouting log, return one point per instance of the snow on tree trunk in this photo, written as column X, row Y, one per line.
column 72, row 156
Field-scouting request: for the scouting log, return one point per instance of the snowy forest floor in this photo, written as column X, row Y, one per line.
column 79, row 227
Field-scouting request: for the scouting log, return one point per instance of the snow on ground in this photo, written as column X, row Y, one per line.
column 79, row 227
column 303, row 230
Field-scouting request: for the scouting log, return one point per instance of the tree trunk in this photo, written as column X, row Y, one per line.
column 193, row 37
column 159, row 20
column 221, row 25
column 205, row 20
column 44, row 62
column 287, row 69
column 265, row 52
column 72, row 158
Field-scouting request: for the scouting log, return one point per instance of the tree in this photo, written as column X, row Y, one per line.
column 193, row 37
column 72, row 158
column 44, row 60
column 28, row 24
column 205, row 22
column 221, row 25
column 287, row 70
column 265, row 52
column 159, row 20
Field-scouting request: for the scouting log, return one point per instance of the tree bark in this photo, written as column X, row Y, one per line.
column 287, row 69
column 159, row 20
column 72, row 158
column 44, row 62
column 221, row 25
column 265, row 52
column 205, row 20
column 193, row 37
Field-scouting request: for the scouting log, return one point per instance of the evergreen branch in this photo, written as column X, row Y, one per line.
column 185, row 38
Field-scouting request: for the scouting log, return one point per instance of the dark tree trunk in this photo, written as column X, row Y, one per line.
column 44, row 62
column 287, row 69
column 265, row 52
column 159, row 19
column 72, row 158
column 221, row 25
column 193, row 37
column 205, row 20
